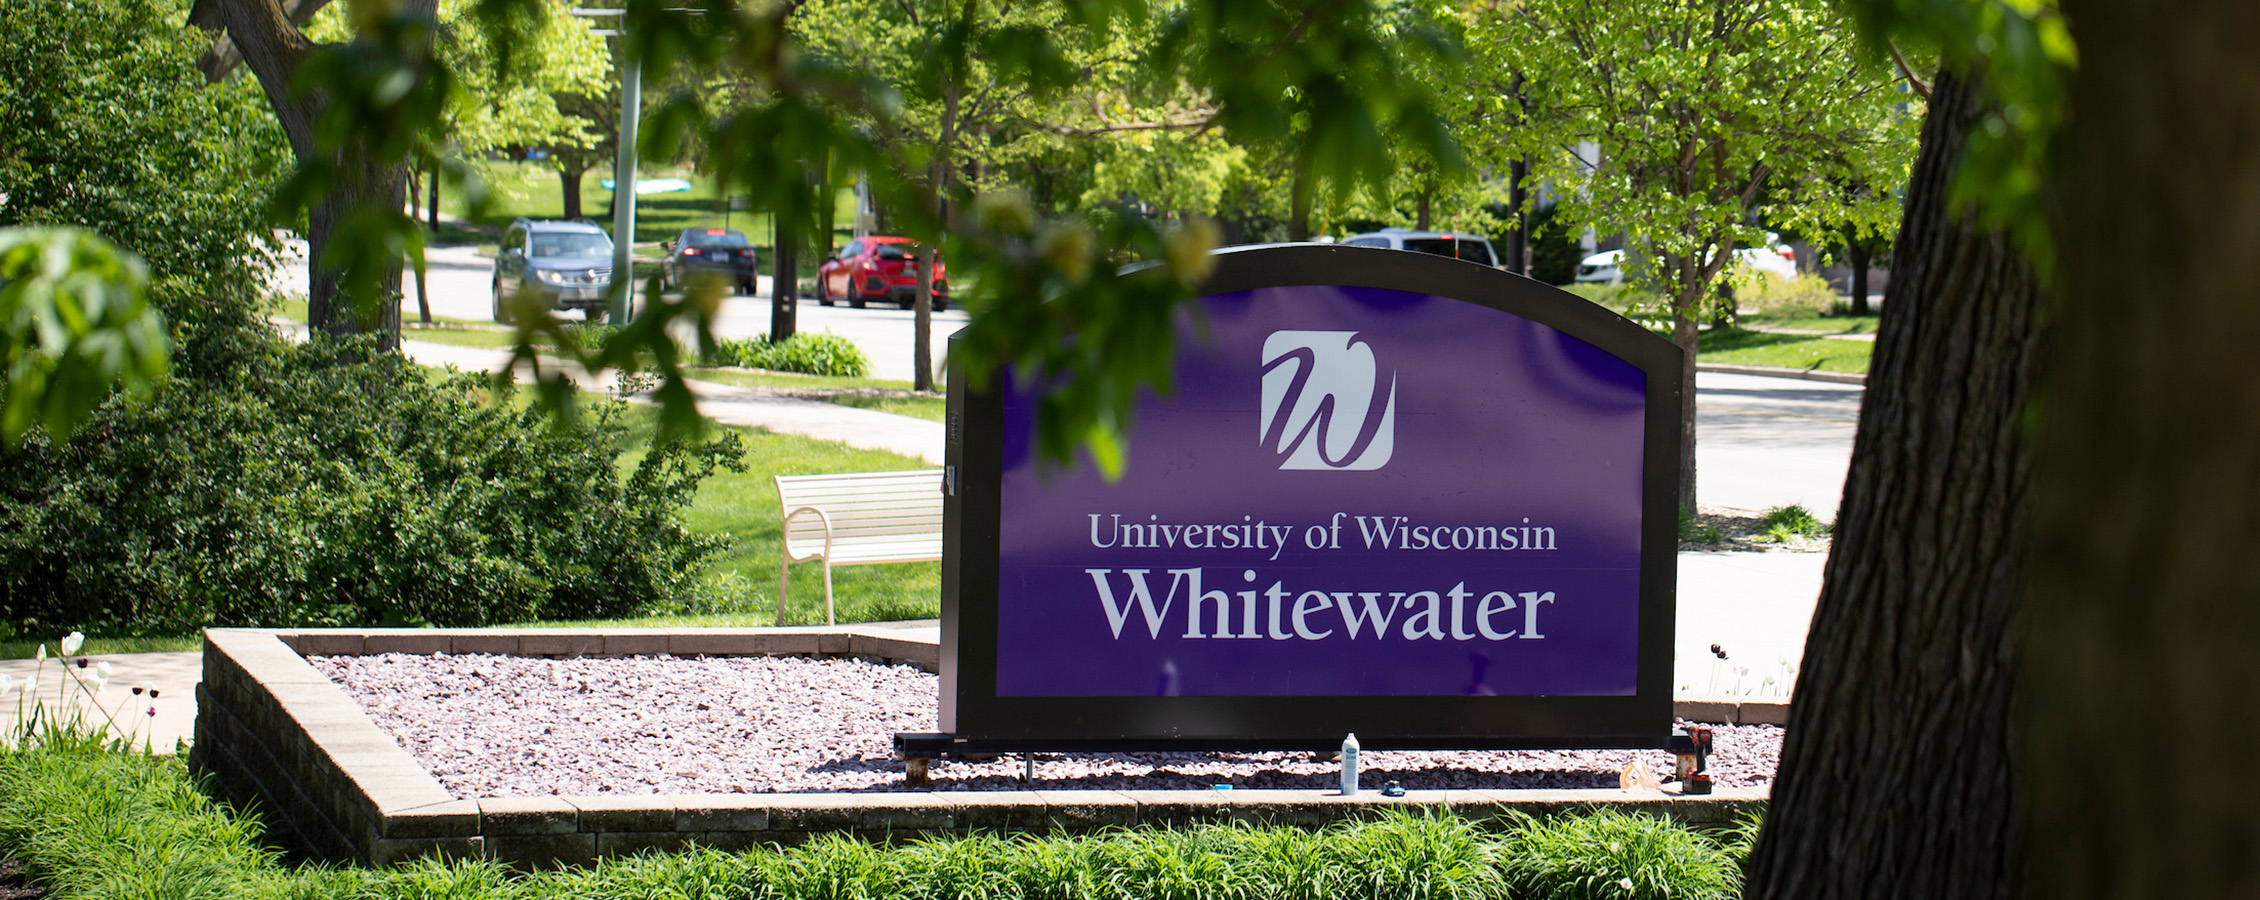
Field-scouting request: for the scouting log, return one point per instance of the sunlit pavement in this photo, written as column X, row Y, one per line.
column 116, row 710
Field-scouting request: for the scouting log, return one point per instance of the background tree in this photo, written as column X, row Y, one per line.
column 965, row 116
column 597, row 145
column 1711, row 116
column 519, row 102
column 353, row 114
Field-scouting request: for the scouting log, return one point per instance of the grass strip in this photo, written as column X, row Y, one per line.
column 1785, row 351
column 91, row 824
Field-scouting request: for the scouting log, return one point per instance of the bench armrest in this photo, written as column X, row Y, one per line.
column 821, row 516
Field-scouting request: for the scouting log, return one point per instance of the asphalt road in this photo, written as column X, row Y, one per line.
column 1762, row 442
column 461, row 281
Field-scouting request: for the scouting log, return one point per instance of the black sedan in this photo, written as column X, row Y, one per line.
column 721, row 251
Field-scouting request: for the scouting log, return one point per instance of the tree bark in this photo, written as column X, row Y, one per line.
column 569, row 184
column 1896, row 773
column 784, row 281
column 327, row 306
column 1685, row 335
column 922, row 319
column 1518, row 194
column 434, row 219
column 1856, row 253
column 268, row 40
column 2146, row 598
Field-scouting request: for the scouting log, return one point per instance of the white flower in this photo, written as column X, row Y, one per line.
column 103, row 669
column 1625, row 883
column 31, row 684
column 73, row 641
column 6, row 683
column 42, row 655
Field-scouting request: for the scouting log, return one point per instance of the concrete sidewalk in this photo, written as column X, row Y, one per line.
column 117, row 708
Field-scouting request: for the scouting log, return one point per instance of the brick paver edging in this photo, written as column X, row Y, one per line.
column 274, row 733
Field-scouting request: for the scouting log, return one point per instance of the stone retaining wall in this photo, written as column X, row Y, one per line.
column 279, row 736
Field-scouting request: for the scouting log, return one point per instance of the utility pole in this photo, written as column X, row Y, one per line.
column 624, row 180
column 623, row 289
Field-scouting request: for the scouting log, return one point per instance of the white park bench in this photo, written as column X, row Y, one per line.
column 859, row 518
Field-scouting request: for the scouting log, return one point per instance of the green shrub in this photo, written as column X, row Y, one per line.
column 321, row 484
column 808, row 354
column 1427, row 856
column 1783, row 524
column 1803, row 294
column 1610, row 855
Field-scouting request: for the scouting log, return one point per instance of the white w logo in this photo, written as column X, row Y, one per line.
column 1310, row 377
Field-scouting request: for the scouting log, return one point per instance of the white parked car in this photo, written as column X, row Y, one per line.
column 1467, row 247
column 1776, row 259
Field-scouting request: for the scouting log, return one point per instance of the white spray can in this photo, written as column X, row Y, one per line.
column 1350, row 765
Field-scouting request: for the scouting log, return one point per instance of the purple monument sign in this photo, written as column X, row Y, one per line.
column 1355, row 495
column 1395, row 494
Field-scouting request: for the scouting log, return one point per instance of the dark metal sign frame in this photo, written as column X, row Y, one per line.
column 974, row 719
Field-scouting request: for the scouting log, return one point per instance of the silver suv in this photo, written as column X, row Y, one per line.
column 566, row 264
column 1441, row 243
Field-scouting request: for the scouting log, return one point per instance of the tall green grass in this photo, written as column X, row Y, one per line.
column 104, row 825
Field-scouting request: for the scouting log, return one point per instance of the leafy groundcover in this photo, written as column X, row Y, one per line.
column 84, row 823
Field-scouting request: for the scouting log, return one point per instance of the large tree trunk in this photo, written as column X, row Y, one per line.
column 784, row 281
column 569, row 184
column 327, row 304
column 1857, row 255
column 262, row 35
column 1895, row 776
column 2146, row 596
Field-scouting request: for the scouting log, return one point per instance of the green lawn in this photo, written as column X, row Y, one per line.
column 794, row 380
column 1786, row 351
column 460, row 337
column 932, row 409
column 1800, row 321
column 743, row 505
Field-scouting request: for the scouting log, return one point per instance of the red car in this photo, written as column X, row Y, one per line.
column 878, row 268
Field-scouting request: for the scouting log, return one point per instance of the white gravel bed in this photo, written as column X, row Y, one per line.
column 508, row 726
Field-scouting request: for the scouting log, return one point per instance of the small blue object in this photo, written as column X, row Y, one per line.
column 1392, row 789
column 1222, row 787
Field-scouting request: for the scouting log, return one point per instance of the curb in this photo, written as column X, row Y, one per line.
column 1770, row 371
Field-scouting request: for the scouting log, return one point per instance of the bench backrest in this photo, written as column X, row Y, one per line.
column 864, row 507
